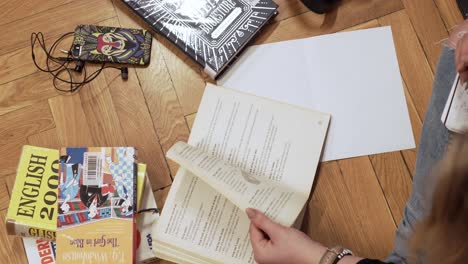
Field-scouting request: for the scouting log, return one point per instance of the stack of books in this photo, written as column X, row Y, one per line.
column 83, row 205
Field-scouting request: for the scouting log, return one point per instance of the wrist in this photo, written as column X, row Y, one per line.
column 335, row 255
column 315, row 254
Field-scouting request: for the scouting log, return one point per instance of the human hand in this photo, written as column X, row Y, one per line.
column 459, row 41
column 461, row 58
column 273, row 243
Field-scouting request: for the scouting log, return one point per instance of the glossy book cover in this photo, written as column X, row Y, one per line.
column 32, row 211
column 212, row 32
column 96, row 205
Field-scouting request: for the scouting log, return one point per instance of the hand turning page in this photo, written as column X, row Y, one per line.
column 243, row 151
column 280, row 203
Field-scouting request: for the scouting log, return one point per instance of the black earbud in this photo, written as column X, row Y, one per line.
column 58, row 66
column 79, row 65
column 124, row 72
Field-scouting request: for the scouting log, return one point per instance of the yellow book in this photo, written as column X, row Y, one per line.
column 140, row 183
column 33, row 206
column 43, row 251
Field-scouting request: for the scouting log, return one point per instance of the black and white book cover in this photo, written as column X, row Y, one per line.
column 212, row 32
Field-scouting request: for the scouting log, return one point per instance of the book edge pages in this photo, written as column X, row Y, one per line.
column 180, row 174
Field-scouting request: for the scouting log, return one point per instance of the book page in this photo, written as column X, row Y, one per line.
column 262, row 137
column 455, row 112
column 281, row 203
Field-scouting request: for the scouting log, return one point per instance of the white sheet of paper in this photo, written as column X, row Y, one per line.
column 354, row 76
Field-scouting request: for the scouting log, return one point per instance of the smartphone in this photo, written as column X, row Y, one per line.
column 110, row 44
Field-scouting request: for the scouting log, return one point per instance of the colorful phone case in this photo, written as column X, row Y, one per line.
column 111, row 44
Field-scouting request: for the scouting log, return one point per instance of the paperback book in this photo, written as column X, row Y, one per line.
column 43, row 251
column 147, row 218
column 39, row 250
column 96, row 220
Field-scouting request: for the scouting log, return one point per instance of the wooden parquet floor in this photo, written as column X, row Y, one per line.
column 356, row 202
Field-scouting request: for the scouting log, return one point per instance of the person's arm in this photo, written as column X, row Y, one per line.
column 458, row 40
column 273, row 243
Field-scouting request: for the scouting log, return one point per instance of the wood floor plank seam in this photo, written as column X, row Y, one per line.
column 28, row 105
column 19, row 78
column 364, row 21
column 404, row 25
column 50, row 36
column 383, row 193
column 429, row 27
column 162, row 188
column 411, row 97
column 298, row 14
column 164, row 136
column 199, row 69
column 405, row 86
column 152, row 122
column 373, row 199
column 43, row 11
column 31, row 69
column 408, row 169
column 424, row 50
column 454, row 17
column 362, row 226
column 289, row 8
column 84, row 107
column 130, row 100
column 407, row 166
column 13, row 117
column 297, row 27
column 130, row 132
column 190, row 114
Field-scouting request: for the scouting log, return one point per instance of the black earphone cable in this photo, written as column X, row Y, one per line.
column 62, row 64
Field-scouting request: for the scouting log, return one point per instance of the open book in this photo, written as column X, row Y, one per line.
column 243, row 151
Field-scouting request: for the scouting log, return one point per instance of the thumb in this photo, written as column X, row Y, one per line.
column 264, row 223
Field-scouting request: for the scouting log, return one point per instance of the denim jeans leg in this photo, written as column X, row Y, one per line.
column 432, row 146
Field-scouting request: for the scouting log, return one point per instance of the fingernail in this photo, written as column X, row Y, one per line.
column 250, row 212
